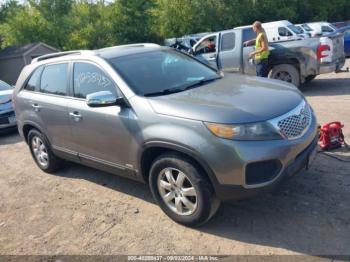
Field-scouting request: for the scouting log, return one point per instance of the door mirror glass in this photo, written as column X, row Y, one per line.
column 102, row 98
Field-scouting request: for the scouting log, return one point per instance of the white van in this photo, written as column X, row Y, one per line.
column 282, row 31
column 322, row 28
column 305, row 29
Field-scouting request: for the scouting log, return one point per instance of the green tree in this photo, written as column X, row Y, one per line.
column 132, row 21
column 90, row 26
column 56, row 13
column 79, row 24
column 18, row 29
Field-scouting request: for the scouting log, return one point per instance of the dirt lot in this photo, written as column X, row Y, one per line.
column 84, row 211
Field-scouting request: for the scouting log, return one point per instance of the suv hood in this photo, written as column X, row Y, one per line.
column 234, row 99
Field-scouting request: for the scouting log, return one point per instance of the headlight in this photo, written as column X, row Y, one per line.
column 256, row 131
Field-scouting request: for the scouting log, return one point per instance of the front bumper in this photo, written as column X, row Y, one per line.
column 244, row 168
column 7, row 119
column 301, row 161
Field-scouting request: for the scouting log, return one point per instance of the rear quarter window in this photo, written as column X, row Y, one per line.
column 54, row 79
column 33, row 82
column 248, row 34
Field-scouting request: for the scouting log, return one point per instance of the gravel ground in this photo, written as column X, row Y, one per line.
column 85, row 211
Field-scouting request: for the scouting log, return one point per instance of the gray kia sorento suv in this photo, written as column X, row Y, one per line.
column 153, row 114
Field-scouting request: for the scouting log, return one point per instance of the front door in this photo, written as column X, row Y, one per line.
column 101, row 134
column 206, row 49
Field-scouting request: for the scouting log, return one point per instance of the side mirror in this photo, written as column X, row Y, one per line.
column 103, row 98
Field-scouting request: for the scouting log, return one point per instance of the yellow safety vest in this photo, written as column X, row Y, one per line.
column 263, row 54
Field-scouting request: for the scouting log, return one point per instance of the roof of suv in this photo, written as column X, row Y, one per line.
column 109, row 52
column 117, row 51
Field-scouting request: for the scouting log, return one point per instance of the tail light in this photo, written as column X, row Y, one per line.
column 323, row 51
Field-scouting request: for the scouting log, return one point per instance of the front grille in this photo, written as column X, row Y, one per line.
column 295, row 123
column 4, row 121
column 4, row 117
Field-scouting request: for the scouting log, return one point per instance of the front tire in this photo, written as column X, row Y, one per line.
column 42, row 153
column 182, row 190
column 285, row 72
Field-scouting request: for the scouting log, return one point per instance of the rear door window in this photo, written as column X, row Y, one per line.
column 33, row 83
column 228, row 41
column 89, row 79
column 54, row 79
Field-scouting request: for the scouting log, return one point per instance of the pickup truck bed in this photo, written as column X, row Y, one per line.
column 296, row 61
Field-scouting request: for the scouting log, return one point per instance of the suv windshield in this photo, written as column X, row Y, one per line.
column 162, row 72
column 4, row 86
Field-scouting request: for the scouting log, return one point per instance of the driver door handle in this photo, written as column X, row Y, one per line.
column 36, row 107
column 76, row 116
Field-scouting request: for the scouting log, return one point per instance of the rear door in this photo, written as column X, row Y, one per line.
column 206, row 49
column 44, row 102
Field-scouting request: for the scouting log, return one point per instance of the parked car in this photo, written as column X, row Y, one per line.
column 283, row 31
column 304, row 29
column 7, row 113
column 309, row 30
column 194, row 135
column 341, row 24
column 322, row 28
column 346, row 32
column 296, row 62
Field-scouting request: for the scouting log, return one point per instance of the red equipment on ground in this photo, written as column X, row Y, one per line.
column 331, row 136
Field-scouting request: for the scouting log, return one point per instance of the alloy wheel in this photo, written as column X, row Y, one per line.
column 40, row 151
column 177, row 191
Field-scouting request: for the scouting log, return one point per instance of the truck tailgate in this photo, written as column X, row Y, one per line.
column 336, row 43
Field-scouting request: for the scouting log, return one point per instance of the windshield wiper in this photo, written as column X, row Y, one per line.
column 188, row 86
column 199, row 83
column 165, row 92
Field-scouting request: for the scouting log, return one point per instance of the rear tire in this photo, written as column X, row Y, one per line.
column 285, row 72
column 41, row 152
column 182, row 190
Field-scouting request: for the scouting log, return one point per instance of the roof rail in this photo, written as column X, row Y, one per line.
column 59, row 54
column 131, row 45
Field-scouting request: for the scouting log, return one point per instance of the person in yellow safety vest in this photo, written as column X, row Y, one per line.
column 261, row 53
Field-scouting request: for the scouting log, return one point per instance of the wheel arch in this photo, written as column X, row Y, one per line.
column 291, row 61
column 27, row 126
column 151, row 150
